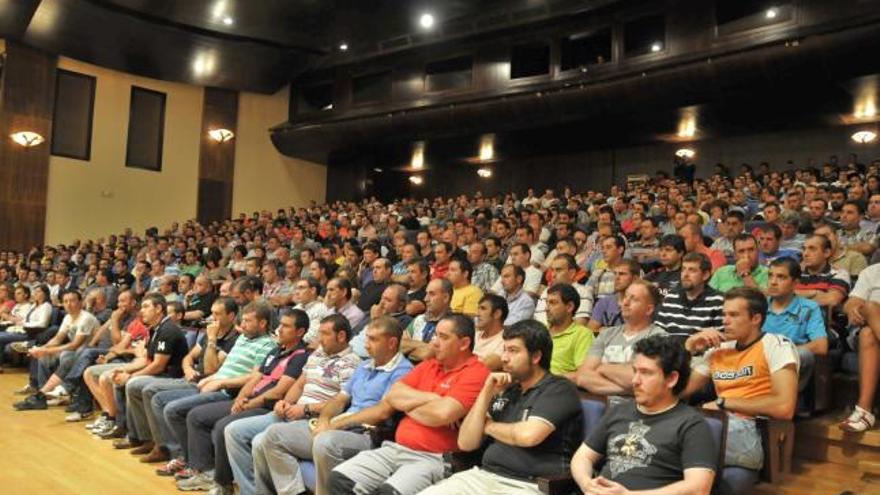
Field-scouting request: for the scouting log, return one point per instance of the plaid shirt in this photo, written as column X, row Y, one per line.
column 484, row 276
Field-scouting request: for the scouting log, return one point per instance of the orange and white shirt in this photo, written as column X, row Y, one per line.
column 746, row 373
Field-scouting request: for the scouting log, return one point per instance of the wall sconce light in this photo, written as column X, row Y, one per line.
column 221, row 135
column 27, row 139
column 484, row 172
column 416, row 179
column 864, row 137
column 418, row 155
column 685, row 153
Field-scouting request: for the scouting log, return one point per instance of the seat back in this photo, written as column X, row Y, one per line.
column 717, row 421
column 593, row 409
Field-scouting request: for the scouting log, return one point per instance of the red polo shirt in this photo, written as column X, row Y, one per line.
column 462, row 384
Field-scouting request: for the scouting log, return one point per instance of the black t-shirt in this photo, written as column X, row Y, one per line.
column 371, row 294
column 666, row 280
column 417, row 295
column 278, row 363
column 168, row 339
column 553, row 399
column 644, row 452
column 200, row 302
column 123, row 279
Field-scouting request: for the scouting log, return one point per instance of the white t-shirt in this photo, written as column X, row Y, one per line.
column 867, row 286
column 530, row 285
column 84, row 324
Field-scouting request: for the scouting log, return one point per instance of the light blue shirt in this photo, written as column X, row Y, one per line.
column 370, row 383
column 801, row 321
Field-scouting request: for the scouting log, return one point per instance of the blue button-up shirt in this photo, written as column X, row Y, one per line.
column 801, row 321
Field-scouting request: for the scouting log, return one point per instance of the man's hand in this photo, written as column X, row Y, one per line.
column 322, row 426
column 238, row 404
column 207, row 385
column 102, row 359
column 117, row 313
column 743, row 267
column 121, row 378
column 497, row 382
column 854, row 314
column 191, row 375
column 706, row 339
column 37, row 352
column 295, row 411
column 280, row 408
column 376, row 311
column 604, row 486
column 212, row 330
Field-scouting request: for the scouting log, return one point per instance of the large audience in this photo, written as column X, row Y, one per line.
column 443, row 346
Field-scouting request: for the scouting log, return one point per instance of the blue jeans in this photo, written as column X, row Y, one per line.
column 7, row 338
column 240, row 436
column 175, row 414
column 156, row 397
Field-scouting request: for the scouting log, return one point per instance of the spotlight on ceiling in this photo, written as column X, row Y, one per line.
column 426, row 21
column 343, row 46
column 656, row 46
column 27, row 139
column 771, row 13
column 378, row 170
column 484, row 172
column 687, row 153
column 418, row 155
column 228, row 21
column 864, row 137
column 416, row 179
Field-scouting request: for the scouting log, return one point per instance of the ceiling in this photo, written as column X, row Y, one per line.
column 254, row 45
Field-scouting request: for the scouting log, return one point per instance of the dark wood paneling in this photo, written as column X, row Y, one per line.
column 217, row 160
column 28, row 90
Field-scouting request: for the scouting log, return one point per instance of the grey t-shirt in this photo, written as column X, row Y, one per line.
column 647, row 451
column 613, row 346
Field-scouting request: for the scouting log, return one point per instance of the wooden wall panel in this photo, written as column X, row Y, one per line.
column 217, row 160
column 25, row 104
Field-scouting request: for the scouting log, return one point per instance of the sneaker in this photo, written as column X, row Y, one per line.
column 184, row 474
column 77, row 416
column 57, row 392
column 173, row 467
column 99, row 423
column 21, row 346
column 104, row 430
column 219, row 489
column 200, row 482
column 858, row 421
column 58, row 401
column 33, row 403
column 26, row 390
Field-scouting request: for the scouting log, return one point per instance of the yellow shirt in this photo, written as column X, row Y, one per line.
column 466, row 299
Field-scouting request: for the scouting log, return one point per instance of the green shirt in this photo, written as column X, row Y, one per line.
column 570, row 348
column 245, row 355
column 725, row 278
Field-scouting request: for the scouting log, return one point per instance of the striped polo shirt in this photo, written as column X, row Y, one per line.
column 679, row 315
column 245, row 354
column 826, row 280
column 327, row 374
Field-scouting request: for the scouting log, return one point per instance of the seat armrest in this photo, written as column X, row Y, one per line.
column 557, row 484
column 777, row 439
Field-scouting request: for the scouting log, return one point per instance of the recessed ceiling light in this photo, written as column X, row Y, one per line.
column 771, row 13
column 656, row 46
column 228, row 20
column 343, row 46
column 426, row 21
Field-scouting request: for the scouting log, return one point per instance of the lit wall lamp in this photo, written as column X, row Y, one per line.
column 416, row 179
column 418, row 155
column 27, row 139
column 221, row 135
column 484, row 172
column 864, row 137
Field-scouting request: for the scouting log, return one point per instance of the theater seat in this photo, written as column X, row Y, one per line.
column 309, row 474
column 593, row 407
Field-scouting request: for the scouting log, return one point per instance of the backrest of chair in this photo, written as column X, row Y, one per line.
column 717, row 421
column 593, row 410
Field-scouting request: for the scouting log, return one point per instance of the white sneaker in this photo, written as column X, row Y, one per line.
column 97, row 424
column 57, row 392
column 77, row 416
column 58, row 401
column 858, row 421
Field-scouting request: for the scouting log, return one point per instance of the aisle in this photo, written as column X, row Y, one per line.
column 45, row 455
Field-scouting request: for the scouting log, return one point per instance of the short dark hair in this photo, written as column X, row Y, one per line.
column 389, row 325
column 570, row 262
column 249, row 283
column 793, row 267
column 700, row 258
column 155, row 299
column 674, row 241
column 634, row 267
column 517, row 271
column 422, row 264
column 300, row 317
column 463, row 326
column 618, row 241
column 771, row 228
column 535, row 337
column 228, row 304
column 464, row 265
column 262, row 310
column 340, row 324
column 826, row 242
column 670, row 355
column 739, row 215
column 755, row 299
column 345, row 284
column 568, row 294
column 743, row 238
column 177, row 306
column 497, row 303
column 860, row 207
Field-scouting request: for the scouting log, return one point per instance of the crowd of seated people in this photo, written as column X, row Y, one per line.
column 364, row 347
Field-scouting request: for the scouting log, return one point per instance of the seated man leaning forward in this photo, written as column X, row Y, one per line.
column 655, row 444
column 531, row 418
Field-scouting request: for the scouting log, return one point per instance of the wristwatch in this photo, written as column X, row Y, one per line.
column 307, row 410
column 720, row 403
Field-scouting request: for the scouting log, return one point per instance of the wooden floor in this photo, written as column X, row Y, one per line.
column 41, row 454
column 45, row 455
